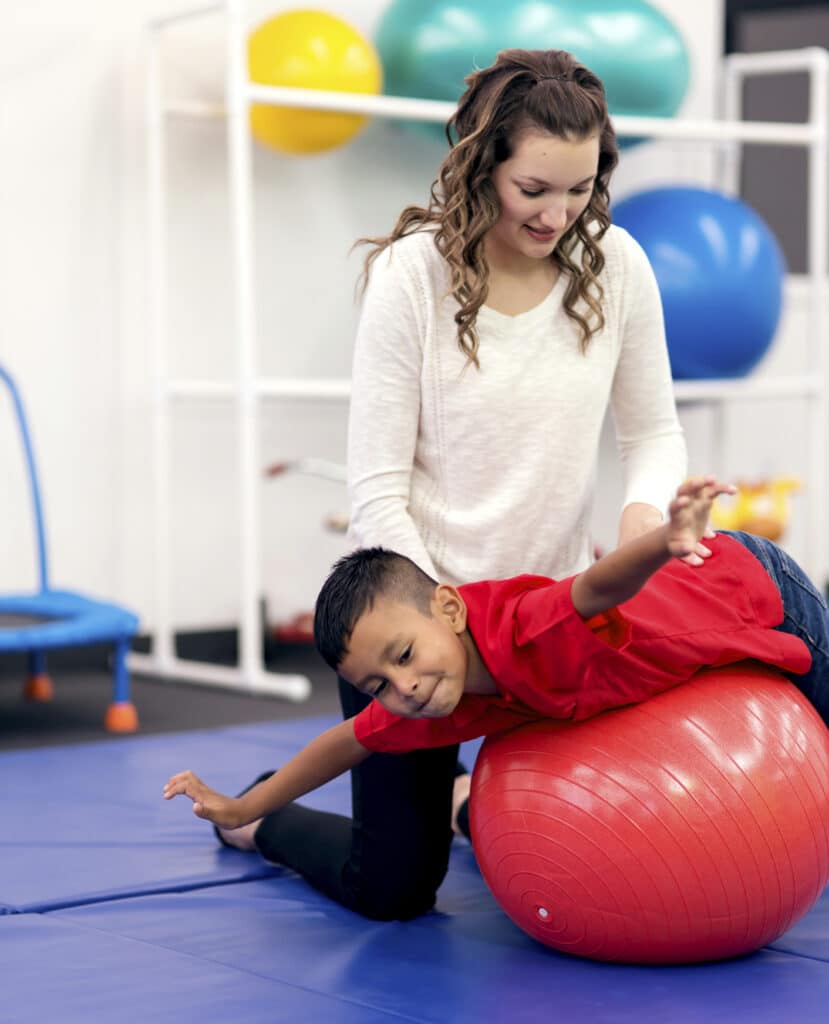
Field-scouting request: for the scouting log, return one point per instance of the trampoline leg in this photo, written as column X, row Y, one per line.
column 121, row 715
column 38, row 686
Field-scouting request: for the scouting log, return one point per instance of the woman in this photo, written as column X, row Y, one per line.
column 499, row 323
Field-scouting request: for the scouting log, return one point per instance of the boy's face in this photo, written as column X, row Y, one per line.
column 413, row 664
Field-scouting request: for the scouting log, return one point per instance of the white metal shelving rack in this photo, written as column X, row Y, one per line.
column 247, row 389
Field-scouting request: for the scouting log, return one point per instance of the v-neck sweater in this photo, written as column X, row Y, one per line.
column 490, row 471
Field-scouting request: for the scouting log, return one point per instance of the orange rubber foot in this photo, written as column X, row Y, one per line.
column 121, row 717
column 39, row 688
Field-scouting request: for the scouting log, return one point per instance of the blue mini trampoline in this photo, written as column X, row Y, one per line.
column 50, row 619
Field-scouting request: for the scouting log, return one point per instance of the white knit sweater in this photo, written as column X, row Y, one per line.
column 488, row 473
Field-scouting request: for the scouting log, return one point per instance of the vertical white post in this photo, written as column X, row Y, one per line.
column 241, row 210
column 729, row 164
column 818, row 225
column 718, row 453
column 157, row 300
column 731, row 152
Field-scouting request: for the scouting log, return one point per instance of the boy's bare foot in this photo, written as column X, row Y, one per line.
column 241, row 838
column 460, row 794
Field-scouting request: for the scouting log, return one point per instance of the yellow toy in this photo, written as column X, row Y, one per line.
column 762, row 508
column 308, row 49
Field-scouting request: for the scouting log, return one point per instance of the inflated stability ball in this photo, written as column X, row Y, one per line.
column 692, row 827
column 720, row 272
column 428, row 47
column 309, row 49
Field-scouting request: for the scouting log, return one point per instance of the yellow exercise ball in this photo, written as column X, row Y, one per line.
column 309, row 49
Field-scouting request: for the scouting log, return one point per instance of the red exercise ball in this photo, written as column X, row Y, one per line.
column 694, row 826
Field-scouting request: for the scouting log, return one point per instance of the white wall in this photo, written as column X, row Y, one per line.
column 73, row 320
column 60, row 200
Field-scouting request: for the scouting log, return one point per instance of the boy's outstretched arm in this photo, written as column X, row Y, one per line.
column 616, row 577
column 333, row 752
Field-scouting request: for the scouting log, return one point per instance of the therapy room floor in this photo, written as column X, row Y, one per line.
column 117, row 906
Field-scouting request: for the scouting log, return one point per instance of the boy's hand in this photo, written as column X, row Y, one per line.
column 689, row 511
column 701, row 551
column 207, row 803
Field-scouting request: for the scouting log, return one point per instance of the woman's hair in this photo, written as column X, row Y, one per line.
column 524, row 90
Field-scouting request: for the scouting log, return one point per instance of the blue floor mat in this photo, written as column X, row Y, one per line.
column 144, row 917
column 464, row 963
column 54, row 970
column 88, row 822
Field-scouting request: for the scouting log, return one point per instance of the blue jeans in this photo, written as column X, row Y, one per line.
column 804, row 614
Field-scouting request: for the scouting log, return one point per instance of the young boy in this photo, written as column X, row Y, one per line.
column 446, row 665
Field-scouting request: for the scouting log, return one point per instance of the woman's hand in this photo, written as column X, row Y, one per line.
column 638, row 518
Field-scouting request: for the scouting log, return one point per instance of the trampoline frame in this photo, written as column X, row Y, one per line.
column 70, row 619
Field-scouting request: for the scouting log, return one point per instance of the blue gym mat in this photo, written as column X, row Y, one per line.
column 87, row 822
column 142, row 916
column 55, row 971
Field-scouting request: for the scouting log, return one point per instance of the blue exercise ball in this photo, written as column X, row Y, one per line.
column 428, row 47
column 720, row 273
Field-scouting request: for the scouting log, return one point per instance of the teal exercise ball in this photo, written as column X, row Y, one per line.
column 428, row 47
column 720, row 272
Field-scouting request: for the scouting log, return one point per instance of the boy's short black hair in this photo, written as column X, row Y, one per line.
column 354, row 583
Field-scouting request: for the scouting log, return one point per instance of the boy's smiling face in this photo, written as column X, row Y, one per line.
column 413, row 664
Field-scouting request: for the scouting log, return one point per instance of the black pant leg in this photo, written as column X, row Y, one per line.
column 389, row 860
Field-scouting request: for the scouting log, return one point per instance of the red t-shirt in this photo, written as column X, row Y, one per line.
column 548, row 662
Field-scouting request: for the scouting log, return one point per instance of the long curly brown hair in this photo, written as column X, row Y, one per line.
column 524, row 90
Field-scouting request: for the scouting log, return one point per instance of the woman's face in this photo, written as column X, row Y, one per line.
column 543, row 188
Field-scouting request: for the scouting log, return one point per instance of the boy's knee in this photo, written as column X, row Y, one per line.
column 384, row 906
column 399, row 898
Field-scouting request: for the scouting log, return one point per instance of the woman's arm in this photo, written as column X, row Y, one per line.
column 648, row 433
column 333, row 752
column 385, row 411
column 649, row 436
